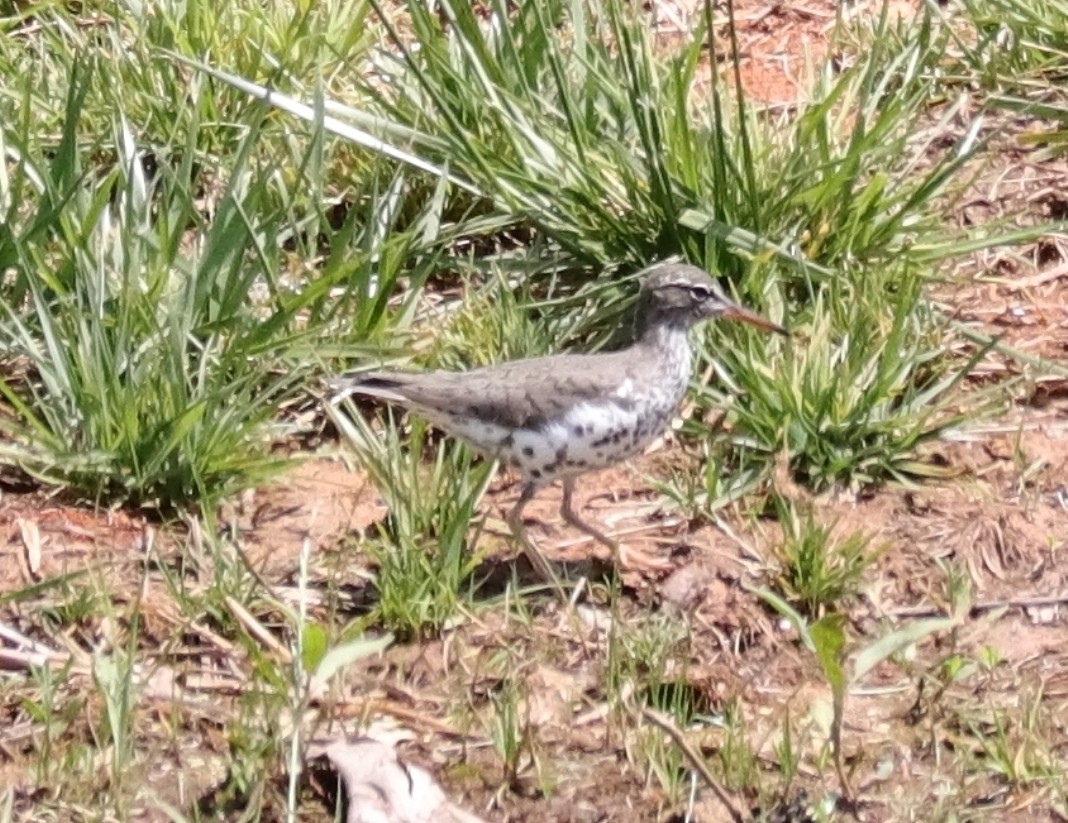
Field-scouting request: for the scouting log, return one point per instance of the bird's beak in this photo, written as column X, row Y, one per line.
column 736, row 312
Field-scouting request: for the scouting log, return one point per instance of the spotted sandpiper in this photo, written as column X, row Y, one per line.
column 557, row 417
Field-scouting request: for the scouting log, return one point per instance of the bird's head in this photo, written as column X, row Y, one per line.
column 680, row 295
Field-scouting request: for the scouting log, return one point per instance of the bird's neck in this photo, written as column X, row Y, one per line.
column 669, row 340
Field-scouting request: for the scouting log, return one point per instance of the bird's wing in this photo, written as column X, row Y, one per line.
column 517, row 394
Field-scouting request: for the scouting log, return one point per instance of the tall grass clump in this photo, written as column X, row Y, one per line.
column 131, row 357
column 149, row 339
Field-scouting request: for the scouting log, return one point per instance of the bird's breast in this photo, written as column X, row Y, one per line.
column 587, row 436
column 594, row 434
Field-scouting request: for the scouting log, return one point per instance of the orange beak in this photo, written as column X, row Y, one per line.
column 736, row 312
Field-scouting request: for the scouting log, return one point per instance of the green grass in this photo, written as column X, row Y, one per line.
column 425, row 560
column 205, row 209
column 816, row 568
column 136, row 378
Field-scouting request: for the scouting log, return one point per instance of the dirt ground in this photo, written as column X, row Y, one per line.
column 1002, row 520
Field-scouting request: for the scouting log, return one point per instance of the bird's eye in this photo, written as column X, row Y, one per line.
column 700, row 293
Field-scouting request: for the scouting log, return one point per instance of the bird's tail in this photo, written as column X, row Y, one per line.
column 368, row 384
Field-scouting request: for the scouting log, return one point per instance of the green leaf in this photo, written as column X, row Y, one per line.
column 341, row 656
column 870, row 656
column 828, row 636
column 312, row 646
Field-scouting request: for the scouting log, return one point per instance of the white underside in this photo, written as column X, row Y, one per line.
column 556, row 450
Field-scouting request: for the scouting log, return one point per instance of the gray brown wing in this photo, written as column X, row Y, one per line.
column 518, row 394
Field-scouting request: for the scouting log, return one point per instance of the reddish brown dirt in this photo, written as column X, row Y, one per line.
column 321, row 501
column 779, row 44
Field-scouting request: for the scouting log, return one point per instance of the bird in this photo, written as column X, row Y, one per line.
column 561, row 416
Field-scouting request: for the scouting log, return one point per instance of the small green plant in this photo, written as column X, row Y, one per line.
column 1019, row 52
column 113, row 675
column 648, row 657
column 664, row 760
column 1016, row 745
column 701, row 485
column 852, row 398
column 816, row 570
column 647, row 665
column 737, row 756
column 510, row 730
column 956, row 590
column 55, row 712
column 787, row 754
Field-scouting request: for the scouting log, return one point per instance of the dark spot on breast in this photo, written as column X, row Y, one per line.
column 535, row 473
column 602, row 441
column 577, row 464
column 549, row 468
column 617, row 436
column 579, row 430
column 561, row 454
column 508, row 442
column 600, row 454
column 528, row 451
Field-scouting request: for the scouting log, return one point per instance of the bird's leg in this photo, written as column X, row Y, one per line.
column 622, row 558
column 569, row 514
column 536, row 558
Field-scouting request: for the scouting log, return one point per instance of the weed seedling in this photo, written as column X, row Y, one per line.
column 816, row 571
